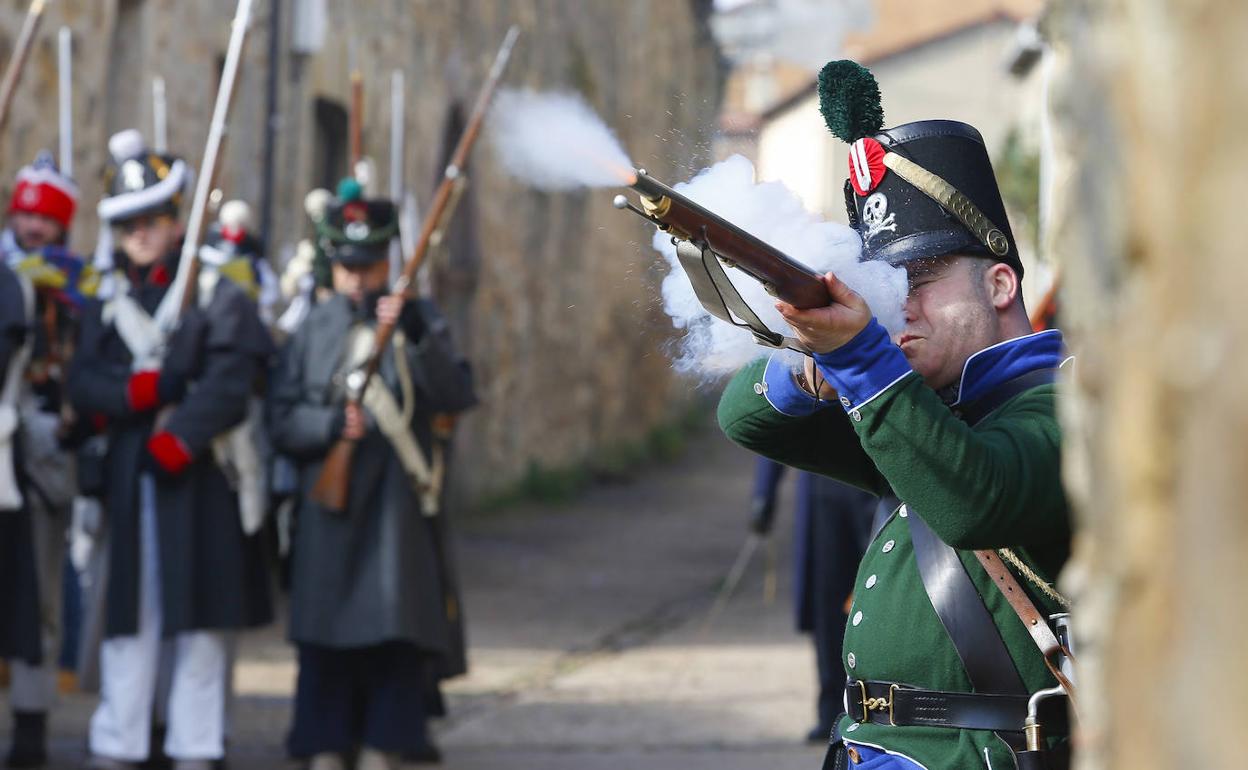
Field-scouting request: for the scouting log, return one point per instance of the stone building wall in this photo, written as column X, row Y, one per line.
column 554, row 296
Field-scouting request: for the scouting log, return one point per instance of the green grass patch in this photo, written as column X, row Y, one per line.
column 615, row 463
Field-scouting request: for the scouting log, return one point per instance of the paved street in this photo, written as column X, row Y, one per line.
column 587, row 643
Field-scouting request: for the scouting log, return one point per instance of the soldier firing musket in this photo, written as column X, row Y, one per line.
column 949, row 652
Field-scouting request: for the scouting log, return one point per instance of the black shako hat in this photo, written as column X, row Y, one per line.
column 355, row 231
column 919, row 190
column 141, row 181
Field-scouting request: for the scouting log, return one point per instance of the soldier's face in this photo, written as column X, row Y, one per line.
column 357, row 281
column 35, row 231
column 949, row 317
column 147, row 239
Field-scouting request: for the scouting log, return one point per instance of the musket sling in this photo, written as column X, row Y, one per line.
column 10, row 493
column 953, row 595
column 395, row 422
column 714, row 289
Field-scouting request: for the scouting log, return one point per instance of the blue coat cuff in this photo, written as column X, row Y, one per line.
column 780, row 388
column 864, row 367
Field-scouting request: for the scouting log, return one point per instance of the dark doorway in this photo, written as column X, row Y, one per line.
column 330, row 143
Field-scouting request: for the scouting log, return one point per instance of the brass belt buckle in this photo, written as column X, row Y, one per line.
column 877, row 704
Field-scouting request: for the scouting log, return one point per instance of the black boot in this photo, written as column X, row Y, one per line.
column 156, row 757
column 30, row 739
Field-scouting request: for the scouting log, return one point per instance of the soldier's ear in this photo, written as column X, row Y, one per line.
column 1002, row 284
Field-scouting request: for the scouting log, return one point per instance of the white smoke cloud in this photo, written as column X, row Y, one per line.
column 555, row 141
column 771, row 212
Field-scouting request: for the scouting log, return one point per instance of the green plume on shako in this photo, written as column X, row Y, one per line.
column 849, row 100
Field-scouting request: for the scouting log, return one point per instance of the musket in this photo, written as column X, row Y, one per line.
column 160, row 119
column 397, row 118
column 398, row 115
column 17, row 62
column 65, row 99
column 356, row 116
column 706, row 243
column 1042, row 317
column 677, row 215
column 179, row 299
column 330, row 490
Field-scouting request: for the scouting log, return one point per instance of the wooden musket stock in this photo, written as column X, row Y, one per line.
column 331, row 487
column 782, row 276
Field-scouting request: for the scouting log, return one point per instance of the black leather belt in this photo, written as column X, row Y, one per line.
column 889, row 703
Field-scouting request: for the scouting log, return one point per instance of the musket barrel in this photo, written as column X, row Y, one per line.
column 397, row 115
column 188, row 263
column 160, row 119
column 783, row 276
column 65, row 99
column 17, row 63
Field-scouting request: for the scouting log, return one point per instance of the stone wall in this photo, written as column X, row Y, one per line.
column 554, row 296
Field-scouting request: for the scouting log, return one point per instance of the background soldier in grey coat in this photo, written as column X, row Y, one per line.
column 373, row 607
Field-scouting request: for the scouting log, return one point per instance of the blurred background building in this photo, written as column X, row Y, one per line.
column 969, row 61
column 554, row 296
column 561, row 318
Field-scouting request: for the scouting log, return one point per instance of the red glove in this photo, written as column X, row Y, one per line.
column 142, row 391
column 169, row 452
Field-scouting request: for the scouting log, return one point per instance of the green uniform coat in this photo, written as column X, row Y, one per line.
column 994, row 485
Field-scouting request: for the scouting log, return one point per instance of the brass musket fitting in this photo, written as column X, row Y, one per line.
column 1031, row 729
column 656, row 207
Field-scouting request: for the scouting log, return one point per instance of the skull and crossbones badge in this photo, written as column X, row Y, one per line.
column 876, row 217
column 133, row 176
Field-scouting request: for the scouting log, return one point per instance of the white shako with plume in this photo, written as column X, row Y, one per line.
column 555, row 142
column 140, row 181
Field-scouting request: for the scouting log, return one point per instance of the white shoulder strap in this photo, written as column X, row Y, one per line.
column 138, row 330
column 10, row 494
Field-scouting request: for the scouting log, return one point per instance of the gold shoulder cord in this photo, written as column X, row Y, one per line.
column 951, row 200
column 1028, row 573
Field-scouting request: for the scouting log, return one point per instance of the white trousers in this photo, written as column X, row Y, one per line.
column 129, row 668
column 33, row 688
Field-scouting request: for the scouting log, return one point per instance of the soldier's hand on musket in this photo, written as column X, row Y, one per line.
column 355, row 425
column 389, row 308
column 824, row 329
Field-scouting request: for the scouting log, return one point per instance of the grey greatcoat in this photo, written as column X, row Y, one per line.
column 212, row 574
column 380, row 572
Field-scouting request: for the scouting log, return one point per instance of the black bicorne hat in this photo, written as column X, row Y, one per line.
column 355, row 231
column 919, row 190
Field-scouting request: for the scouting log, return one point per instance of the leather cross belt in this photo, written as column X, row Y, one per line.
column 899, row 705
